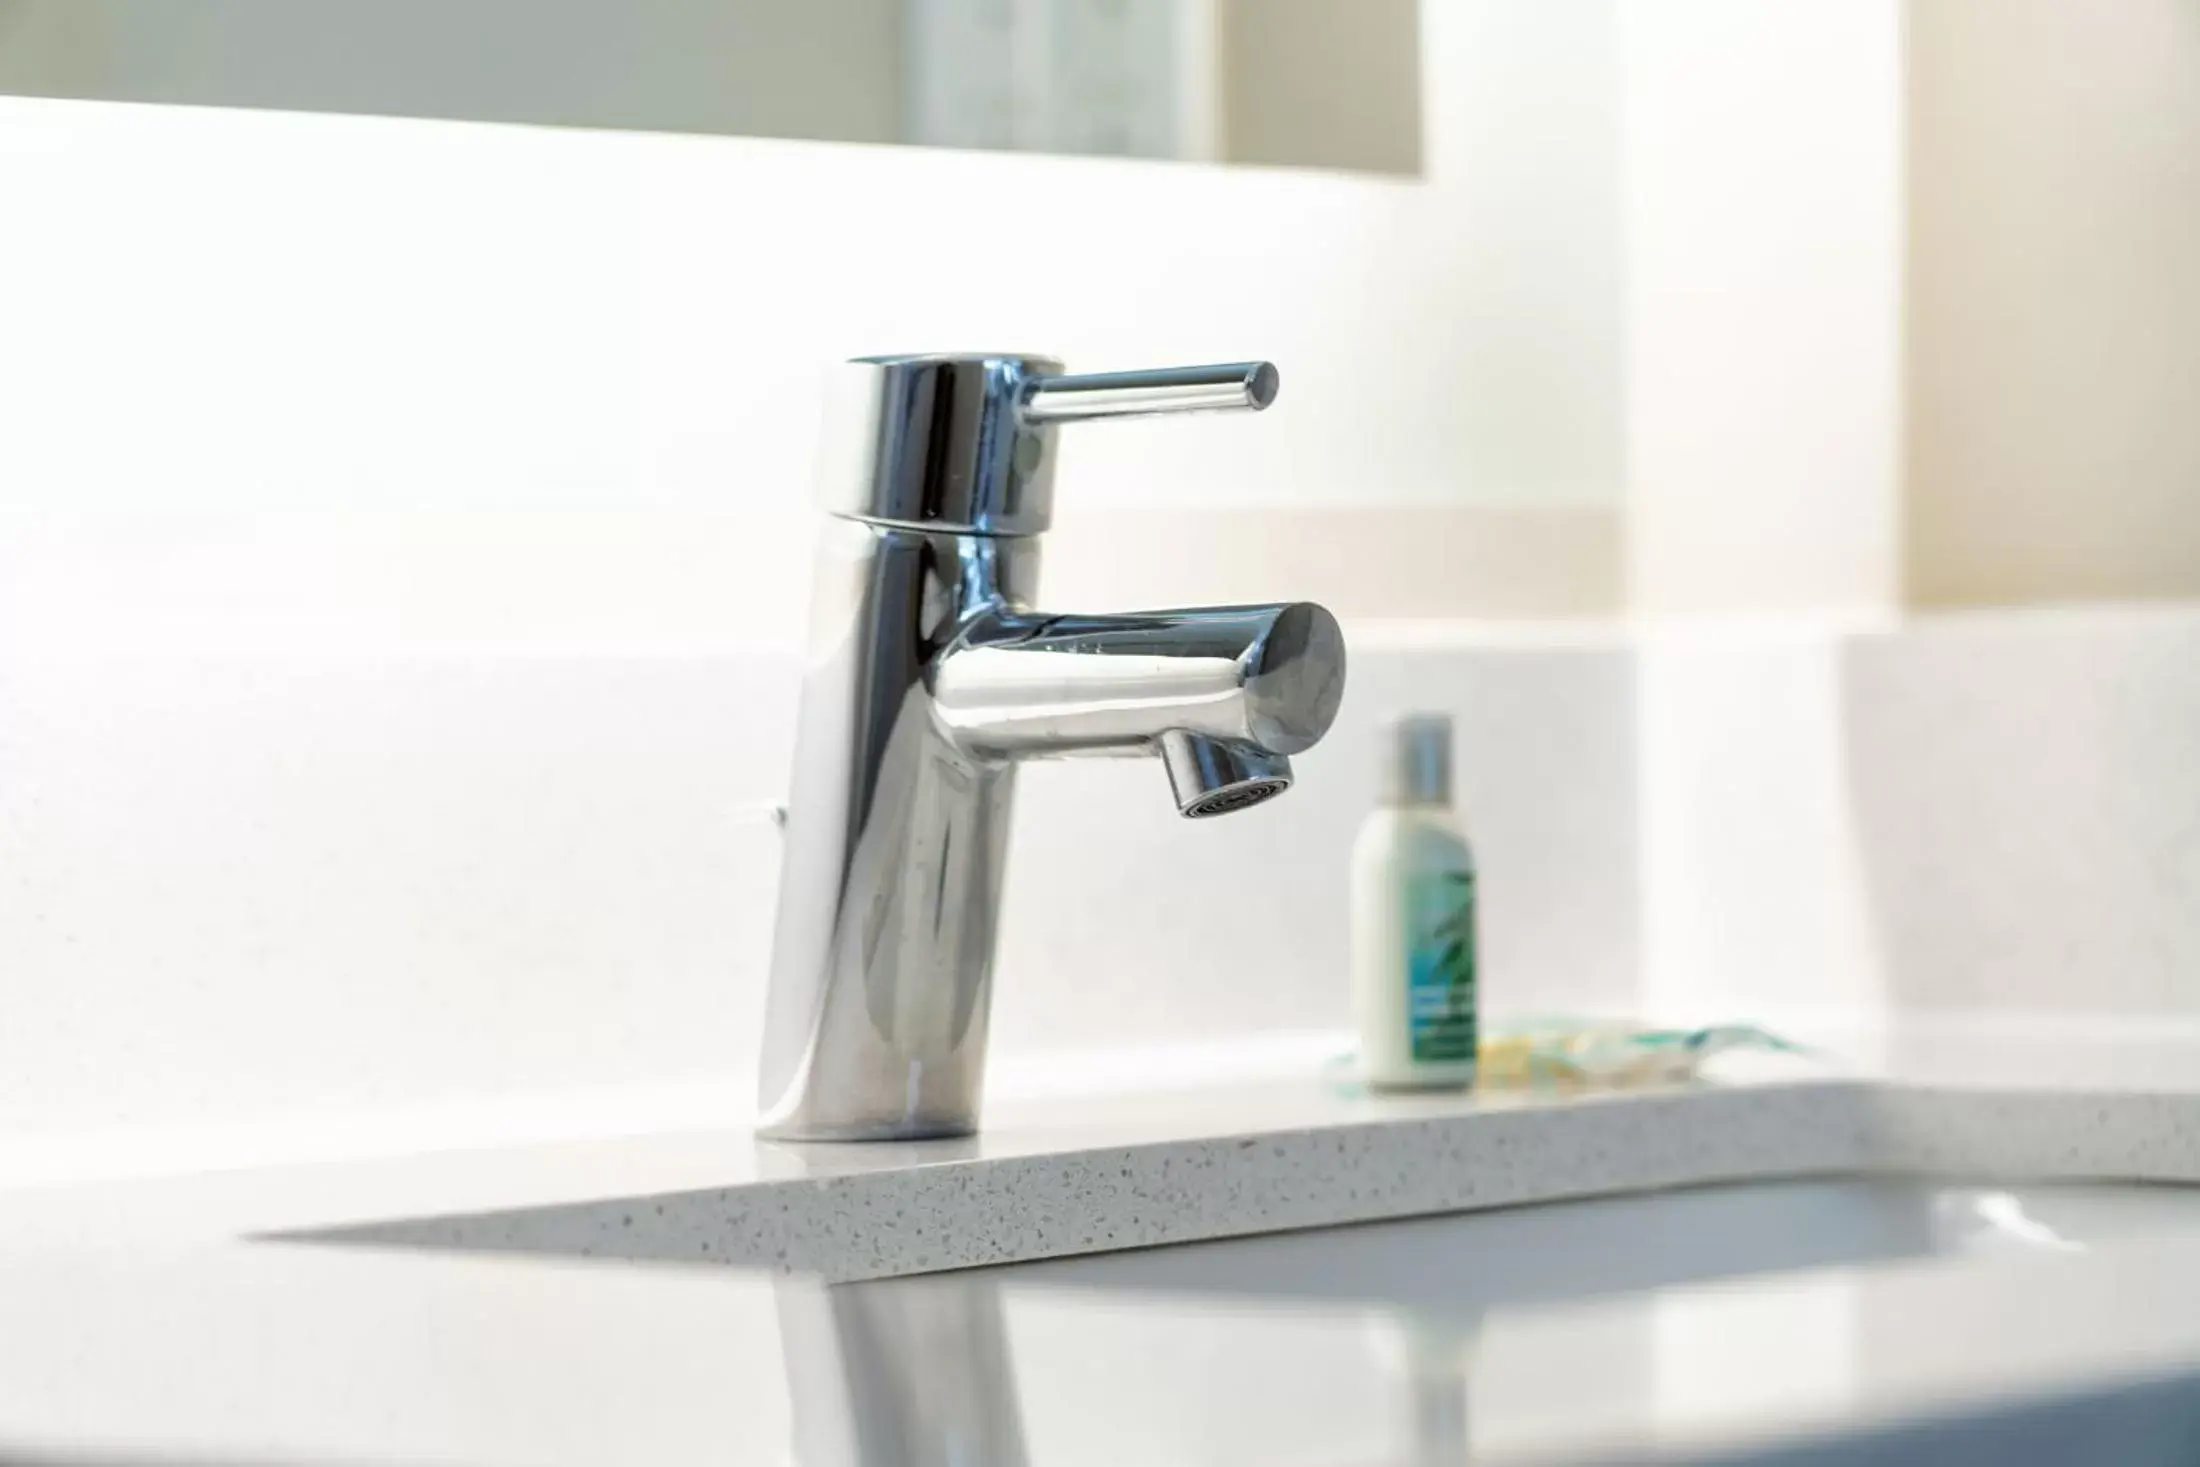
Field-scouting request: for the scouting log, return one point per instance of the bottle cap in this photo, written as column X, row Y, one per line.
column 1417, row 759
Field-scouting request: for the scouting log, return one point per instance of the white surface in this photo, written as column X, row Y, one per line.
column 1762, row 159
column 374, row 866
column 2024, row 825
column 260, row 901
column 327, row 1353
column 1754, row 890
column 437, row 316
column 465, row 846
column 258, row 898
column 847, row 1212
column 1978, row 815
column 1460, row 1265
column 1132, row 1172
column 311, row 1356
column 265, row 897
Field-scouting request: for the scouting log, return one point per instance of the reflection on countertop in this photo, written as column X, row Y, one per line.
column 312, row 1355
column 139, row 1332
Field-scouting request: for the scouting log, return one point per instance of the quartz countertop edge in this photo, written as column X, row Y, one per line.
column 926, row 1206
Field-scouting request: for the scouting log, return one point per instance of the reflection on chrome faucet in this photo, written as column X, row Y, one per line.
column 899, row 1373
column 930, row 678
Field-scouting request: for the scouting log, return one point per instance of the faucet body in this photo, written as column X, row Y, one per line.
column 930, row 678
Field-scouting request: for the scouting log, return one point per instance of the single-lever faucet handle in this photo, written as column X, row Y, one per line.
column 1079, row 396
column 964, row 443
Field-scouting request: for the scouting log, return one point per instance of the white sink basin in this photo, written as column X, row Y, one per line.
column 1464, row 1263
column 1436, row 1330
column 1479, row 1334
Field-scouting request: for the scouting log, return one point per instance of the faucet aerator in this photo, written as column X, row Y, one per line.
column 1217, row 777
column 1237, row 797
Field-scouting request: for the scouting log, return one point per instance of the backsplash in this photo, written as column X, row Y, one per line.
column 2026, row 812
column 252, row 883
column 1985, row 813
column 255, row 885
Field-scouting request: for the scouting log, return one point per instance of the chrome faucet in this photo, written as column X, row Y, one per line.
column 930, row 678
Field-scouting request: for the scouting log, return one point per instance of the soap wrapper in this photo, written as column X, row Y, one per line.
column 1570, row 1054
column 1567, row 1053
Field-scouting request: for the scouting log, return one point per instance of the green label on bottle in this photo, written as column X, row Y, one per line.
column 1440, row 1007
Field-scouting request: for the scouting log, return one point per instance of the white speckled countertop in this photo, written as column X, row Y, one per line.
column 155, row 1334
column 1146, row 1170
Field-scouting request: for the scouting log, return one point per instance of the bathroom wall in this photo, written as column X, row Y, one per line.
column 2054, row 315
column 398, row 579
column 1981, row 825
column 1761, row 176
column 250, row 894
column 249, row 288
column 400, row 574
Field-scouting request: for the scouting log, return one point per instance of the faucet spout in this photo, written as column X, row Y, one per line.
column 1264, row 679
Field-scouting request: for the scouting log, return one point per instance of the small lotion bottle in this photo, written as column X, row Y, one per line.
column 1413, row 919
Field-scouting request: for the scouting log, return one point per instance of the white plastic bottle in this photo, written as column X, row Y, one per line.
column 1413, row 919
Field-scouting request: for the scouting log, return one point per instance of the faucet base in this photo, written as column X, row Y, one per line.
column 796, row 1132
column 882, row 960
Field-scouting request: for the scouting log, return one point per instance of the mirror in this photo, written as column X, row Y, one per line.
column 1307, row 83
